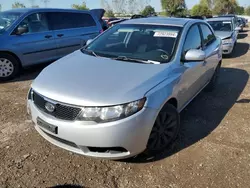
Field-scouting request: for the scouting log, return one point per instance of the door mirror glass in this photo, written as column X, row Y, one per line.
column 21, row 30
column 89, row 41
column 195, row 55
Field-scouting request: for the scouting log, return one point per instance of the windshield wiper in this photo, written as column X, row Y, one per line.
column 124, row 58
column 89, row 52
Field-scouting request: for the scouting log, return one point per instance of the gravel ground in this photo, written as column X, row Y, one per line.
column 213, row 149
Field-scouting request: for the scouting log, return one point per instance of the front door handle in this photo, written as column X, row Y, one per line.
column 48, row 36
column 60, row 35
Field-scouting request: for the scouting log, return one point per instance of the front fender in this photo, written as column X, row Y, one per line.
column 161, row 93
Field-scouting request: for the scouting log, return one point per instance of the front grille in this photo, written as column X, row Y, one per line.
column 61, row 111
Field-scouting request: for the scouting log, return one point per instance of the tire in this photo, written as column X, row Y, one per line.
column 9, row 67
column 165, row 130
column 211, row 86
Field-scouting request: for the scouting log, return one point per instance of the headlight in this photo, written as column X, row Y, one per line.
column 110, row 113
column 227, row 41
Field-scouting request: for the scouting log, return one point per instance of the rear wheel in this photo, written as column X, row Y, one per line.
column 9, row 67
column 165, row 130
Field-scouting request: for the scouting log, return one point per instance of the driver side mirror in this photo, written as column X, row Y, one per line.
column 21, row 30
column 194, row 55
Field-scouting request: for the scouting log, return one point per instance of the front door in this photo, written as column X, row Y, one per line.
column 192, row 80
column 37, row 44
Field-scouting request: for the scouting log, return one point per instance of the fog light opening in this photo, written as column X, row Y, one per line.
column 107, row 149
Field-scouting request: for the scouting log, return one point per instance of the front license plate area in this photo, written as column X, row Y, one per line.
column 47, row 126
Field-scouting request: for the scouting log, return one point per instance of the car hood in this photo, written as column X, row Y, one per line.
column 85, row 80
column 223, row 34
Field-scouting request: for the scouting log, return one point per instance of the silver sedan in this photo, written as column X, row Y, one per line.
column 122, row 93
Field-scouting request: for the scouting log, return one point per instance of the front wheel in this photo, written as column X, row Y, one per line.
column 165, row 130
column 9, row 67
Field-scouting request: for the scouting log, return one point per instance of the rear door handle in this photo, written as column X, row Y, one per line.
column 48, row 36
column 60, row 35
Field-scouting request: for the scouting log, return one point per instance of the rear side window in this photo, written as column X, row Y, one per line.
column 67, row 20
column 208, row 36
column 193, row 39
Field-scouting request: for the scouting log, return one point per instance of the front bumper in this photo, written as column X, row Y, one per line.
column 131, row 133
column 227, row 48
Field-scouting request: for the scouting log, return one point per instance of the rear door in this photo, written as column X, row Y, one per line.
column 211, row 46
column 72, row 30
column 38, row 43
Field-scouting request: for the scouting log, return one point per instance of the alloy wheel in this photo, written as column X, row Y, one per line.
column 163, row 132
column 6, row 67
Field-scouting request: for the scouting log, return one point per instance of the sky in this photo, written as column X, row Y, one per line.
column 6, row 4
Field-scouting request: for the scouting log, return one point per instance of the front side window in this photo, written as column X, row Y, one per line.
column 144, row 42
column 193, row 39
column 34, row 23
column 7, row 19
column 221, row 25
column 208, row 36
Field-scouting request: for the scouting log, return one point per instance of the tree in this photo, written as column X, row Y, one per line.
column 109, row 13
column 208, row 3
column 201, row 10
column 0, row 7
column 124, row 6
column 83, row 6
column 132, row 6
column 148, row 10
column 141, row 4
column 18, row 5
column 174, row 7
column 225, row 6
column 247, row 10
column 240, row 10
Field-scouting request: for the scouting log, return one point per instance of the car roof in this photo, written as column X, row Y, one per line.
column 220, row 19
column 27, row 10
column 159, row 20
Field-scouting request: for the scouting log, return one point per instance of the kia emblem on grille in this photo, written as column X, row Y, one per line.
column 50, row 107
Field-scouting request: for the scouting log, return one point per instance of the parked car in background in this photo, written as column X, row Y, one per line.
column 109, row 20
column 112, row 23
column 244, row 21
column 136, row 16
column 32, row 36
column 225, row 29
column 241, row 24
column 122, row 94
column 235, row 18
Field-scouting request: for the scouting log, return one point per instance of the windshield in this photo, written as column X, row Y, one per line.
column 6, row 20
column 144, row 42
column 221, row 25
